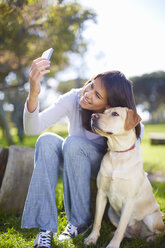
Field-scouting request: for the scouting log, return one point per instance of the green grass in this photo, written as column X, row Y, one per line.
column 11, row 234
column 29, row 141
column 153, row 155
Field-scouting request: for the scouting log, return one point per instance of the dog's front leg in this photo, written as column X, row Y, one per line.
column 101, row 201
column 124, row 220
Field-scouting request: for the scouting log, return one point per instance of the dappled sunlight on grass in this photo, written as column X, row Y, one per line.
column 153, row 155
column 29, row 141
column 11, row 234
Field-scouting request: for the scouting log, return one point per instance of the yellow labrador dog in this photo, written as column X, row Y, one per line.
column 121, row 179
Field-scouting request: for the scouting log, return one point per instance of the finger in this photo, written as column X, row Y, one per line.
column 38, row 60
column 44, row 72
column 40, row 74
column 36, row 75
column 40, row 66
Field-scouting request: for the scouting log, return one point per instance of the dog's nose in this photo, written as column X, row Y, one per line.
column 95, row 116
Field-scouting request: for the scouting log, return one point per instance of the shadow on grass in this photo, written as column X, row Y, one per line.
column 11, row 227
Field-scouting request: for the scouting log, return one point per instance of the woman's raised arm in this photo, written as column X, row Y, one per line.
column 38, row 69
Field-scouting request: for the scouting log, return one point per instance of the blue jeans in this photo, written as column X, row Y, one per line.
column 81, row 160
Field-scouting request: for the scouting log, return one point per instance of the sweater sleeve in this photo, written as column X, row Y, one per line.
column 37, row 122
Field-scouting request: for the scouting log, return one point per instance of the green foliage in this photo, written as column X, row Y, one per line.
column 66, row 86
column 27, row 29
column 30, row 27
column 29, row 141
column 149, row 90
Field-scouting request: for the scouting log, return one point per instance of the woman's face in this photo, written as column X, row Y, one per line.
column 94, row 96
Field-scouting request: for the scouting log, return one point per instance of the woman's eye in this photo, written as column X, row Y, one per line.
column 115, row 114
column 91, row 85
column 98, row 95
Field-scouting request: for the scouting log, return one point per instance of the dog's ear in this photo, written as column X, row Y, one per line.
column 132, row 119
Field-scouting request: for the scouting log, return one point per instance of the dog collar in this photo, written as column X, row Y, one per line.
column 132, row 147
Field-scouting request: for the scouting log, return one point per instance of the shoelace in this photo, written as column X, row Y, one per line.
column 70, row 230
column 44, row 239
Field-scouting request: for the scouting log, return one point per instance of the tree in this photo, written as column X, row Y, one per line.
column 30, row 27
column 66, row 86
column 4, row 124
column 27, row 28
column 149, row 90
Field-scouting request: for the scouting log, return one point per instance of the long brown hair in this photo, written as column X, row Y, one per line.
column 120, row 94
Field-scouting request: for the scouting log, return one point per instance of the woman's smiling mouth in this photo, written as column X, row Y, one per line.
column 85, row 100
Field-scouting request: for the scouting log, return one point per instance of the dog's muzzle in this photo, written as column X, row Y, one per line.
column 95, row 116
column 94, row 124
column 94, row 119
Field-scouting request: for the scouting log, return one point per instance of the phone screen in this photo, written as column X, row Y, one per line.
column 47, row 54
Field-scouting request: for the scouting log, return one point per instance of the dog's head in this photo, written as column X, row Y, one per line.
column 115, row 121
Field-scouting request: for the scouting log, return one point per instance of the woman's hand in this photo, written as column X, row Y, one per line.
column 38, row 69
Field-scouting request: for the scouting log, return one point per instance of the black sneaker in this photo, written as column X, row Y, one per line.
column 72, row 231
column 43, row 239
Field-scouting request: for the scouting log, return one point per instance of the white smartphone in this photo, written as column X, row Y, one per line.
column 47, row 54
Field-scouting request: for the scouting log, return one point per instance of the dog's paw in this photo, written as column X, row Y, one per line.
column 113, row 245
column 91, row 239
column 151, row 238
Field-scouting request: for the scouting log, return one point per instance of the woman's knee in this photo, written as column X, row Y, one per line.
column 48, row 139
column 73, row 145
column 48, row 149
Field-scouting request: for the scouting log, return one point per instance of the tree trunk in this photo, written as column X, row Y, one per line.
column 3, row 161
column 5, row 126
column 16, row 167
column 16, row 178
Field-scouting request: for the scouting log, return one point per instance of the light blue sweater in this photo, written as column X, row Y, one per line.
column 67, row 105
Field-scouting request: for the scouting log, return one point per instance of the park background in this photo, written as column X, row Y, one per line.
column 88, row 37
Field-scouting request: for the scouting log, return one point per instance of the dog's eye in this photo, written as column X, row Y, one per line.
column 115, row 114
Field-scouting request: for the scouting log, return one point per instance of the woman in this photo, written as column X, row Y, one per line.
column 80, row 153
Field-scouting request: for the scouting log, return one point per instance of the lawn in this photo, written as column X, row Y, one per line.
column 11, row 234
column 153, row 155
